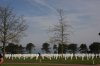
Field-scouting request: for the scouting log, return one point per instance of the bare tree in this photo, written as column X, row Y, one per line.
column 60, row 30
column 12, row 27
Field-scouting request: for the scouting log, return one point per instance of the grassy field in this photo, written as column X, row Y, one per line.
column 57, row 61
column 39, row 64
column 24, row 65
column 50, row 61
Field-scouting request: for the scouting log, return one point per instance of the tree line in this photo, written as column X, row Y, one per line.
column 57, row 49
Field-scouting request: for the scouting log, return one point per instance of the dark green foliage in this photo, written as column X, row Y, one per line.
column 14, row 48
column 55, row 48
column 29, row 47
column 83, row 48
column 21, row 49
column 45, row 47
column 72, row 48
column 62, row 47
column 95, row 47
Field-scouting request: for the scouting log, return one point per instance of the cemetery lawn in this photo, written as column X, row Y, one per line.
column 53, row 60
column 40, row 64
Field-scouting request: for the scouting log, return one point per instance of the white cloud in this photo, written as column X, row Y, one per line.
column 85, row 29
column 40, row 2
column 43, row 22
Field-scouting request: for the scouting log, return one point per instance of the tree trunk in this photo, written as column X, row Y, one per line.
column 4, row 49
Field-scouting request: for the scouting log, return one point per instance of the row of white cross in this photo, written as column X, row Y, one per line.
column 49, row 56
column 55, row 56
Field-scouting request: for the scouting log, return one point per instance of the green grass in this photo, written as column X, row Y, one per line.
column 25, row 65
column 53, row 60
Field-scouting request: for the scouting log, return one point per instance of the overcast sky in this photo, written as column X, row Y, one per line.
column 82, row 15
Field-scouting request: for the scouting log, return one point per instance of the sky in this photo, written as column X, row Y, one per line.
column 40, row 15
